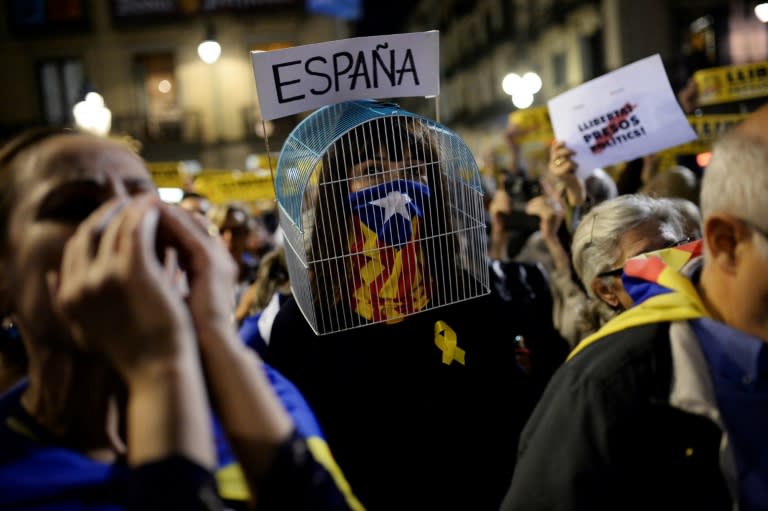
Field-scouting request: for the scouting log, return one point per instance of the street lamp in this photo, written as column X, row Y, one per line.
column 521, row 88
column 210, row 49
column 91, row 115
column 761, row 11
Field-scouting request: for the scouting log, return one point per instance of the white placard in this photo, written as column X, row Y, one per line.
column 620, row 116
column 306, row 77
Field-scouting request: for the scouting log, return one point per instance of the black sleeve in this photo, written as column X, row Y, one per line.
column 172, row 483
column 291, row 346
column 563, row 451
column 593, row 440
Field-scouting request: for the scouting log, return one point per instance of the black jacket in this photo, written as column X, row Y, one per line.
column 409, row 431
column 605, row 436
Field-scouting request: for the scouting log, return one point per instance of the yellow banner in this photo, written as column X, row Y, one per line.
column 708, row 128
column 166, row 174
column 731, row 83
column 222, row 186
column 533, row 124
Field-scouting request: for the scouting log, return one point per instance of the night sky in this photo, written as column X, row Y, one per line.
column 383, row 16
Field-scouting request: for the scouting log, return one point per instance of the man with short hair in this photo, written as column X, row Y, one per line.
column 666, row 407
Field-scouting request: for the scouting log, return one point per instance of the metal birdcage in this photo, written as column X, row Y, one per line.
column 382, row 216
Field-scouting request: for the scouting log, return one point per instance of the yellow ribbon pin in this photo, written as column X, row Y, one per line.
column 445, row 339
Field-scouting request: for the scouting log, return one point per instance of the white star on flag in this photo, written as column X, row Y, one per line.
column 394, row 202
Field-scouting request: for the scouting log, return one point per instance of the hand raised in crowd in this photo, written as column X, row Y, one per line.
column 560, row 161
column 501, row 205
column 563, row 167
column 688, row 96
column 549, row 212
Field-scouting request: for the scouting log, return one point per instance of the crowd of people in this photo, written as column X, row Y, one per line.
column 157, row 356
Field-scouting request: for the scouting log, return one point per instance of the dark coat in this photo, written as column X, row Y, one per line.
column 409, row 431
column 605, row 436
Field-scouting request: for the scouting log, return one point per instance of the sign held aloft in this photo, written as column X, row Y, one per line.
column 302, row 78
column 620, row 116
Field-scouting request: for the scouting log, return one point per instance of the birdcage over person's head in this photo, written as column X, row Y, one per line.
column 382, row 214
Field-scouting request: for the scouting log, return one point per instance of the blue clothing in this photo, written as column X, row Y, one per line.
column 738, row 364
column 37, row 474
column 255, row 330
column 249, row 333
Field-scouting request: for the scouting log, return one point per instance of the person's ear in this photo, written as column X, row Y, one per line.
column 722, row 234
column 606, row 292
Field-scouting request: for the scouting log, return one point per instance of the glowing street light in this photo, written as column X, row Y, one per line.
column 209, row 50
column 532, row 82
column 522, row 88
column 511, row 83
column 523, row 99
column 91, row 115
column 761, row 11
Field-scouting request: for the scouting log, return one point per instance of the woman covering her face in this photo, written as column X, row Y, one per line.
column 115, row 410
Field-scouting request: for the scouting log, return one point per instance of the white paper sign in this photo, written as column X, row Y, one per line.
column 306, row 77
column 620, row 116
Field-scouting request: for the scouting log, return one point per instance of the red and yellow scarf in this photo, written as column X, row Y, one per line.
column 388, row 282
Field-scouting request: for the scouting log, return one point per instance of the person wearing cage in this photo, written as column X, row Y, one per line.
column 414, row 349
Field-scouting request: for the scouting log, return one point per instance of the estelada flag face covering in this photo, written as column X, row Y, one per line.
column 382, row 213
column 387, row 209
column 387, row 264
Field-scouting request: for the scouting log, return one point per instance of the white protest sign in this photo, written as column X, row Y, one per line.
column 302, row 78
column 620, row 116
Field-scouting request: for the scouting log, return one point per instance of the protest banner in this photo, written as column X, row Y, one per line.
column 531, row 124
column 731, row 83
column 302, row 78
column 707, row 128
column 166, row 174
column 222, row 186
column 620, row 116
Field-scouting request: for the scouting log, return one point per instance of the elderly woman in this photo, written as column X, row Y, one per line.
column 114, row 413
column 613, row 232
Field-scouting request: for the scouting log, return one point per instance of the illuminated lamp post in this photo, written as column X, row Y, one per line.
column 209, row 49
column 521, row 88
column 92, row 116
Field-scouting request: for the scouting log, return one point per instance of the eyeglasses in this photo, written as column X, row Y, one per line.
column 616, row 272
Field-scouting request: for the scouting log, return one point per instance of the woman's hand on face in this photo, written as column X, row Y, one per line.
column 211, row 274
column 114, row 292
